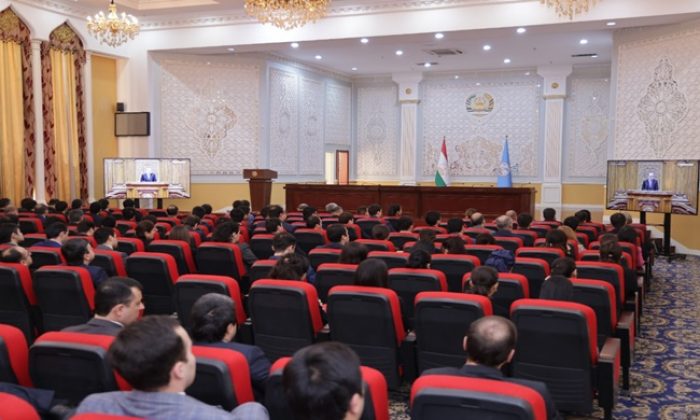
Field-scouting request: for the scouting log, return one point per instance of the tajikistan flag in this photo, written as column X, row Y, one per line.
column 442, row 176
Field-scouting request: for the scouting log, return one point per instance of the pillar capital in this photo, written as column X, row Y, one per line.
column 554, row 80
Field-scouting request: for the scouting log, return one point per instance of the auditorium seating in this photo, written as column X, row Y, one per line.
column 329, row 275
column 32, row 238
column 308, row 239
column 14, row 356
column 547, row 254
column 408, row 282
column 44, row 255
column 286, row 316
column 511, row 287
column 261, row 245
column 400, row 238
column 17, row 299
column 366, row 225
column 222, row 259
column 190, row 287
column 535, row 270
column 125, row 225
column 482, row 252
column 110, row 261
column 222, row 379
column 557, row 344
column 30, row 225
column 377, row 245
column 454, row 398
column 440, row 323
column 391, row 259
column 511, row 244
column 157, row 273
column 320, row 256
column 180, row 250
column 130, row 245
column 15, row 408
column 65, row 295
column 454, row 266
column 260, row 270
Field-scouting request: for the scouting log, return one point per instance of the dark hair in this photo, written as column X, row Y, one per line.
column 336, row 231
column 627, row 234
column 282, row 241
column 76, row 203
column 557, row 287
column 275, row 211
column 454, row 225
column 404, row 223
column 172, row 210
column 555, row 238
column 353, row 253
column 143, row 227
column 345, row 217
column 85, row 225
column 210, row 316
column 114, row 291
column 95, row 207
column 549, row 214
column 207, row 208
column 180, row 233
column 28, row 204
column 563, row 267
column 380, row 231
column 290, row 267
column 145, row 352
column 4, row 202
column 223, row 232
column 393, row 209
column 482, row 280
column 618, row 220
column 485, row 239
column 308, row 211
column 54, row 230
column 610, row 251
column 418, row 258
column 61, row 206
column 427, row 235
column 199, row 211
column 271, row 224
column 432, row 218
column 524, row 220
column 74, row 250
column 372, row 272
column 373, row 209
column 104, row 203
column 571, row 222
column 454, row 245
column 102, row 234
column 6, row 231
column 237, row 215
column 490, row 340
column 11, row 255
column 109, row 222
column 320, row 381
column 313, row 221
column 583, row 216
column 128, row 213
column 191, row 221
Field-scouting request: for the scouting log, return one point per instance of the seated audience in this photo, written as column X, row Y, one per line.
column 629, row 234
column 283, row 243
column 557, row 287
column 571, row 236
column 483, row 281
column 380, row 232
column 504, row 227
column 56, row 235
column 583, row 216
column 555, row 238
column 468, row 216
column 17, row 255
column 273, row 225
column 290, row 266
column 418, row 258
column 394, row 212
column 455, row 225
column 353, row 253
column 118, row 303
column 84, row 228
column 172, row 210
column 337, row 237
column 314, row 222
column 478, row 221
column 404, row 224
column 346, row 218
column 277, row 212
column 309, row 212
column 74, row 216
column 571, row 222
column 105, row 239
column 333, row 209
column 490, row 343
column 502, row 260
column 611, row 251
column 79, row 253
column 10, row 234
column 27, row 205
column 524, row 221
column 323, row 381
column 485, row 239
column 432, row 218
column 513, row 217
column 426, row 241
column 213, row 320
column 563, row 267
column 146, row 232
column 229, row 232
column 454, row 245
column 617, row 220
column 549, row 215
column 154, row 355
column 372, row 272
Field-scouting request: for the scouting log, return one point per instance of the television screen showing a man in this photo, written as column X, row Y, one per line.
column 650, row 183
column 148, row 176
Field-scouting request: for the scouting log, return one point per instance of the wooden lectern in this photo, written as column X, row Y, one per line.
column 260, row 181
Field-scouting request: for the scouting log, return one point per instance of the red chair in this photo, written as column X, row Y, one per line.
column 14, row 356
column 400, row 238
column 101, row 416
column 157, row 273
column 15, row 408
column 261, row 245
column 65, row 295
column 223, row 378
column 440, row 323
column 44, row 255
column 377, row 245
column 535, row 270
column 408, row 282
column 190, row 287
column 260, row 270
column 547, row 254
column 320, row 256
column 512, row 244
column 330, row 275
column 30, row 225
column 454, row 266
column 392, row 259
column 32, row 238
column 482, row 252
column 130, row 245
column 448, row 397
column 437, row 229
column 511, row 287
column 172, row 221
column 222, row 259
column 110, row 261
column 590, row 231
column 180, row 250
column 17, row 299
column 366, row 225
column 308, row 239
column 125, row 225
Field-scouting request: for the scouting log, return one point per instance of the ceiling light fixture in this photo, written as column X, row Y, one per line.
column 570, row 8
column 506, row 61
column 456, row 77
column 486, row 47
column 231, row 49
column 364, row 40
column 439, row 35
column 318, row 57
column 294, row 45
column 113, row 29
column 584, row 41
column 399, row 52
column 354, row 69
column 287, row 14
column 611, row 24
column 427, row 64
column 521, row 30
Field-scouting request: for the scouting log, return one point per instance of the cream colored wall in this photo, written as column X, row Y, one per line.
column 104, row 98
column 222, row 195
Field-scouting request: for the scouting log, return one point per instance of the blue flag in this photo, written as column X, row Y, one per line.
column 504, row 177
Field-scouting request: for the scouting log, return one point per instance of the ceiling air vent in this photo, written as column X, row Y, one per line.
column 584, row 55
column 443, row 52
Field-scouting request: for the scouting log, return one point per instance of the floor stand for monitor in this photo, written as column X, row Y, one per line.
column 666, row 248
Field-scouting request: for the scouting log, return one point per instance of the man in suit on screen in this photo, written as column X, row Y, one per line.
column 148, row 175
column 651, row 183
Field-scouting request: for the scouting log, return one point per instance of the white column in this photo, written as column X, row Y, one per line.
column 409, row 100
column 39, row 183
column 89, row 140
column 554, row 96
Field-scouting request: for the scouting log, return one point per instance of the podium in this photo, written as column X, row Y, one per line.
column 260, row 182
column 147, row 190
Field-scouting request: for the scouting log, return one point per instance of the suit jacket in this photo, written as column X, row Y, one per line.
column 148, row 177
column 98, row 274
column 48, row 243
column 257, row 361
column 653, row 186
column 486, row 372
column 165, row 406
column 97, row 326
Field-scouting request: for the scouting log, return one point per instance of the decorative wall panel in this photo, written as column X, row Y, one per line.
column 657, row 110
column 475, row 117
column 378, row 131
column 209, row 112
column 338, row 114
column 311, row 128
column 284, row 121
column 586, row 135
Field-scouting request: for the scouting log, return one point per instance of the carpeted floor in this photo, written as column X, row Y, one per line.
column 665, row 376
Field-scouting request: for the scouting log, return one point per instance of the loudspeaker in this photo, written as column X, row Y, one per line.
column 120, row 107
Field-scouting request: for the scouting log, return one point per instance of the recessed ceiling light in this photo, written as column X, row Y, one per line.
column 506, row 61
column 527, row 73
column 584, row 41
column 318, row 57
column 427, row 64
column 456, row 77
column 611, row 24
column 439, row 35
column 486, row 47
column 478, row 84
column 364, row 40
column 521, row 30
column 399, row 52
column 231, row 49
column 354, row 69
column 594, row 56
column 294, row 45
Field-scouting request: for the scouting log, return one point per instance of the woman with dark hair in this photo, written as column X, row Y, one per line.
column 610, row 251
column 454, row 245
column 213, row 324
column 145, row 230
column 483, row 281
column 557, row 287
column 353, row 253
column 290, row 267
column 555, row 238
column 229, row 233
column 372, row 272
column 181, row 233
column 629, row 234
column 564, row 267
column 418, row 258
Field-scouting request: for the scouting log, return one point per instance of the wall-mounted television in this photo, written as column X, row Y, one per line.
column 132, row 124
column 147, row 178
column 655, row 186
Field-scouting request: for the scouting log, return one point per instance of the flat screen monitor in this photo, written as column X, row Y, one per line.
column 656, row 186
column 147, row 178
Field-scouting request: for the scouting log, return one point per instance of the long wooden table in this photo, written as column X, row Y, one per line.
column 415, row 200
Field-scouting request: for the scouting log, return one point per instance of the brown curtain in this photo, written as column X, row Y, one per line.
column 62, row 149
column 13, row 30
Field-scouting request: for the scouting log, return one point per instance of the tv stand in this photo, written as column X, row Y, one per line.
column 666, row 248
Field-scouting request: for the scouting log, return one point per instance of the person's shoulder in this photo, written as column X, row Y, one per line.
column 443, row 371
column 100, row 402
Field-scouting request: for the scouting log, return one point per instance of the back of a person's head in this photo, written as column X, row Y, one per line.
column 84, row 226
column 557, row 287
column 95, row 207
column 549, row 214
column 404, row 223
column 4, row 202
column 313, row 221
column 432, row 218
column 207, row 208
column 555, row 238
column 145, row 352
column 610, row 251
column 237, row 215
column 28, row 203
column 477, row 219
column 336, row 231
column 210, row 317
column 418, row 258
column 6, row 231
column 393, row 210
column 627, row 234
column 427, row 235
column 128, row 213
column 485, row 239
column 454, row 225
column 272, row 224
column 454, row 245
column 172, row 210
column 333, row 207
column 564, row 266
column 291, row 266
column 275, row 211
column 582, row 216
column 74, row 250
column 199, row 211
column 323, row 382
column 179, row 233
column 490, row 340
column 114, row 291
column 61, row 206
column 74, row 216
column 380, row 232
column 191, row 221
column 143, row 227
column 76, row 203
column 524, row 220
column 504, row 222
column 618, row 220
column 308, row 212
column 282, row 241
column 374, row 209
column 109, row 222
column 353, row 253
column 345, row 217
column 223, row 232
column 372, row 272
column 482, row 280
column 104, row 203
column 571, row 222
column 570, row 234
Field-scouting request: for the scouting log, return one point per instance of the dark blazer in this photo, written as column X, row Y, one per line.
column 96, row 326
column 504, row 234
column 98, row 274
column 257, row 361
column 486, row 372
column 48, row 243
column 650, row 186
column 148, row 177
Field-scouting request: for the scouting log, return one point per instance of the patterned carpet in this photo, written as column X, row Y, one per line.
column 665, row 376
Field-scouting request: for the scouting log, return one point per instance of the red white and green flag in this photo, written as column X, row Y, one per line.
column 442, row 175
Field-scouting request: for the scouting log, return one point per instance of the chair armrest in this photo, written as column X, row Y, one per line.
column 245, row 332
column 324, row 334
column 625, row 331
column 608, row 371
column 407, row 356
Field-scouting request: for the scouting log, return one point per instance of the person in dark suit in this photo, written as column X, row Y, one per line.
column 213, row 320
column 338, row 236
column 154, row 355
column 10, row 234
column 56, row 234
column 651, row 183
column 118, row 302
column 79, row 253
column 490, row 344
column 148, row 176
column 504, row 227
